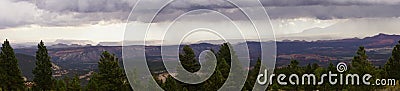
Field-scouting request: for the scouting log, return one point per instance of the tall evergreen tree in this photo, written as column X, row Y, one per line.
column 392, row 66
column 360, row 61
column 43, row 73
column 252, row 77
column 188, row 59
column 224, row 59
column 111, row 76
column 3, row 73
column 11, row 77
column 228, row 53
column 225, row 52
column 223, row 67
column 361, row 65
column 189, row 62
column 222, row 70
column 216, row 80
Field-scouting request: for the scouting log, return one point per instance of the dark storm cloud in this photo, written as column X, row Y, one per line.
column 78, row 12
column 284, row 9
column 320, row 9
column 83, row 6
column 335, row 12
column 283, row 3
column 125, row 5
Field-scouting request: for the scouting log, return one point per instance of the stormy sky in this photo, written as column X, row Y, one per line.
column 33, row 20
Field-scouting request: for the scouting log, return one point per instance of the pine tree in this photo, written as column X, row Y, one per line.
column 318, row 72
column 314, row 66
column 3, row 74
column 189, row 63
column 360, row 62
column 294, row 65
column 224, row 59
column 74, row 84
column 224, row 68
column 111, row 76
column 60, row 85
column 188, row 59
column 392, row 66
column 308, row 70
column 225, row 52
column 11, row 77
column 252, row 77
column 93, row 84
column 329, row 86
column 361, row 65
column 214, row 82
column 294, row 68
column 43, row 73
column 234, row 64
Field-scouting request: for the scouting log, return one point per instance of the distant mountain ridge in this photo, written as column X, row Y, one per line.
column 380, row 40
column 378, row 47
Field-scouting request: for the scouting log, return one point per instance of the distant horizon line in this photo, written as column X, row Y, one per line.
column 57, row 41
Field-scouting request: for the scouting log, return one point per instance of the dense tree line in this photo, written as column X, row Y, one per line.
column 358, row 65
column 111, row 76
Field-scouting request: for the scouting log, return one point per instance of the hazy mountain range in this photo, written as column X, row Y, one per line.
column 85, row 58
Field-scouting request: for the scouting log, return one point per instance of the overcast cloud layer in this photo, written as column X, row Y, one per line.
column 17, row 13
